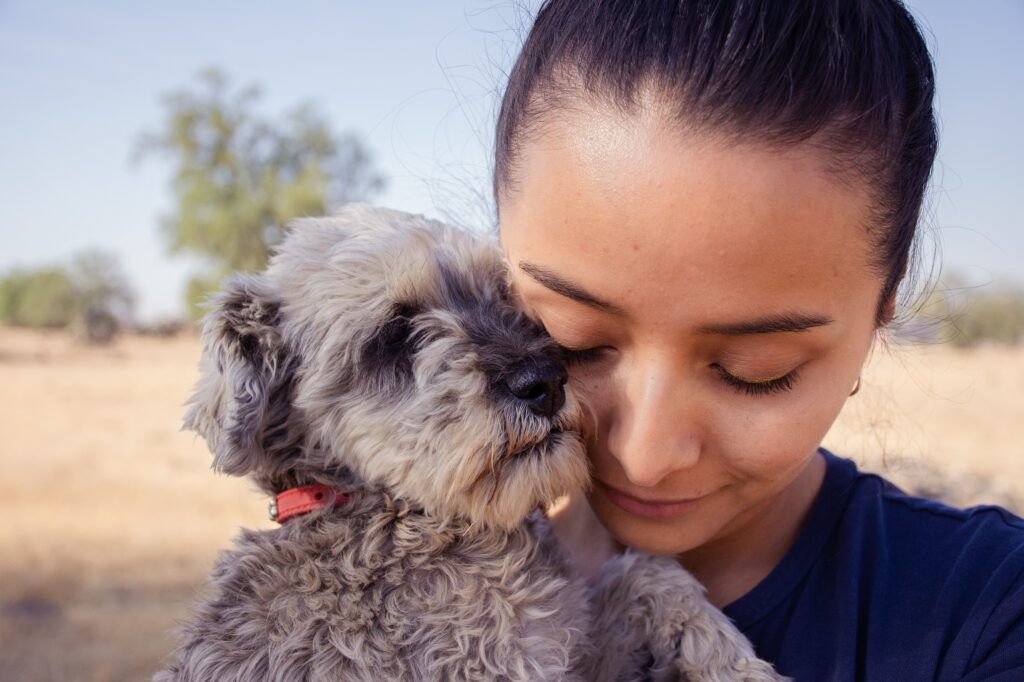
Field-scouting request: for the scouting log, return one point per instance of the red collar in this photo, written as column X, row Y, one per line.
column 298, row 501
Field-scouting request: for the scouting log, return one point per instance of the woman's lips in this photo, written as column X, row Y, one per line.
column 640, row 507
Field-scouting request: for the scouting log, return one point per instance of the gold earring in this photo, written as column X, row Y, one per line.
column 856, row 387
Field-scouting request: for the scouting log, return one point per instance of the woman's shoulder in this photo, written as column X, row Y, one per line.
column 897, row 583
column 930, row 526
column 956, row 574
column 951, row 558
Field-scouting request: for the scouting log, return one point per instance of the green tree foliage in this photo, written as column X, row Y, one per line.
column 967, row 316
column 90, row 295
column 104, row 299
column 240, row 177
column 43, row 298
column 991, row 316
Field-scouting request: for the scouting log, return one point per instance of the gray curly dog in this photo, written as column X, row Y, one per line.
column 380, row 357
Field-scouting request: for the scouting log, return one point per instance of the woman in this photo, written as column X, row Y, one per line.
column 711, row 204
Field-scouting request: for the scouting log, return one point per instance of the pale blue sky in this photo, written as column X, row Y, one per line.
column 417, row 80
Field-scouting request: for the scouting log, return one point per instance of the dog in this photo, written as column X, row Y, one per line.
column 412, row 424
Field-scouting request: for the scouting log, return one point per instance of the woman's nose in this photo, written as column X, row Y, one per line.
column 658, row 428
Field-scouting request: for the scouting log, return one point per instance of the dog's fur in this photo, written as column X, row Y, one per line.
column 376, row 355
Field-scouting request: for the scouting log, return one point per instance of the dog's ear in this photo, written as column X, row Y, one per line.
column 242, row 404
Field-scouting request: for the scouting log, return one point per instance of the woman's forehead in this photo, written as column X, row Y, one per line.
column 644, row 214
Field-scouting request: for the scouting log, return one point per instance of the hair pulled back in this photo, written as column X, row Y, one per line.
column 851, row 76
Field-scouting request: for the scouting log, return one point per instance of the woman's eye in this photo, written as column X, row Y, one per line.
column 760, row 386
column 579, row 356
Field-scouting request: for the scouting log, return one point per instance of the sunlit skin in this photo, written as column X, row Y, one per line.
column 670, row 260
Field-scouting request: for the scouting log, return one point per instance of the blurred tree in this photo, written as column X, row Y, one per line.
column 91, row 296
column 42, row 298
column 104, row 299
column 241, row 177
column 970, row 315
column 992, row 316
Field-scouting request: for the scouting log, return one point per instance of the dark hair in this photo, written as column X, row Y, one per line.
column 854, row 75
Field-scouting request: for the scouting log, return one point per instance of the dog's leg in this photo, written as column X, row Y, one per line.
column 653, row 617
column 622, row 626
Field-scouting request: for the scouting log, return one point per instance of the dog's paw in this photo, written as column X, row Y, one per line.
column 683, row 630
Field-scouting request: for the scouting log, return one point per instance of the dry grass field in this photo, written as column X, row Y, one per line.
column 111, row 516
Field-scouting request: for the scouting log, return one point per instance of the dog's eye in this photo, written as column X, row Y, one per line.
column 389, row 349
column 396, row 331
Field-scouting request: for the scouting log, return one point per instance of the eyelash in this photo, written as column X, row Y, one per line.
column 759, row 388
column 573, row 356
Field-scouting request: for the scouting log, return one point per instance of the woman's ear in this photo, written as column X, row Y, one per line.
column 242, row 402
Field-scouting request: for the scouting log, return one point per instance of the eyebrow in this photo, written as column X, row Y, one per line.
column 787, row 322
column 560, row 285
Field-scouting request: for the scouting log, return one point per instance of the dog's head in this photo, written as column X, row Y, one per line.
column 389, row 344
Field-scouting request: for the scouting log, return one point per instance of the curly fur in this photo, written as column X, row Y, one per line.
column 378, row 354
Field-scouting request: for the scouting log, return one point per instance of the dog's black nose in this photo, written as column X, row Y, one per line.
column 540, row 383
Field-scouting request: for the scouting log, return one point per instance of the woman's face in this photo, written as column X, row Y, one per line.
column 721, row 303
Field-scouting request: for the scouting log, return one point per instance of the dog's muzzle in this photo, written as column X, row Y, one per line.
column 539, row 383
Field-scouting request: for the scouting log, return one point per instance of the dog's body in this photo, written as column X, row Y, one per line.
column 380, row 354
column 378, row 592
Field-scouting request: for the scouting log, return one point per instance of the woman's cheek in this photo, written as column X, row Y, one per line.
column 770, row 437
column 598, row 393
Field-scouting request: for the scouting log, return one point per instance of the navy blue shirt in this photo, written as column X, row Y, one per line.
column 883, row 586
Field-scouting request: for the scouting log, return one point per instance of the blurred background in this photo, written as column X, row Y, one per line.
column 147, row 149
